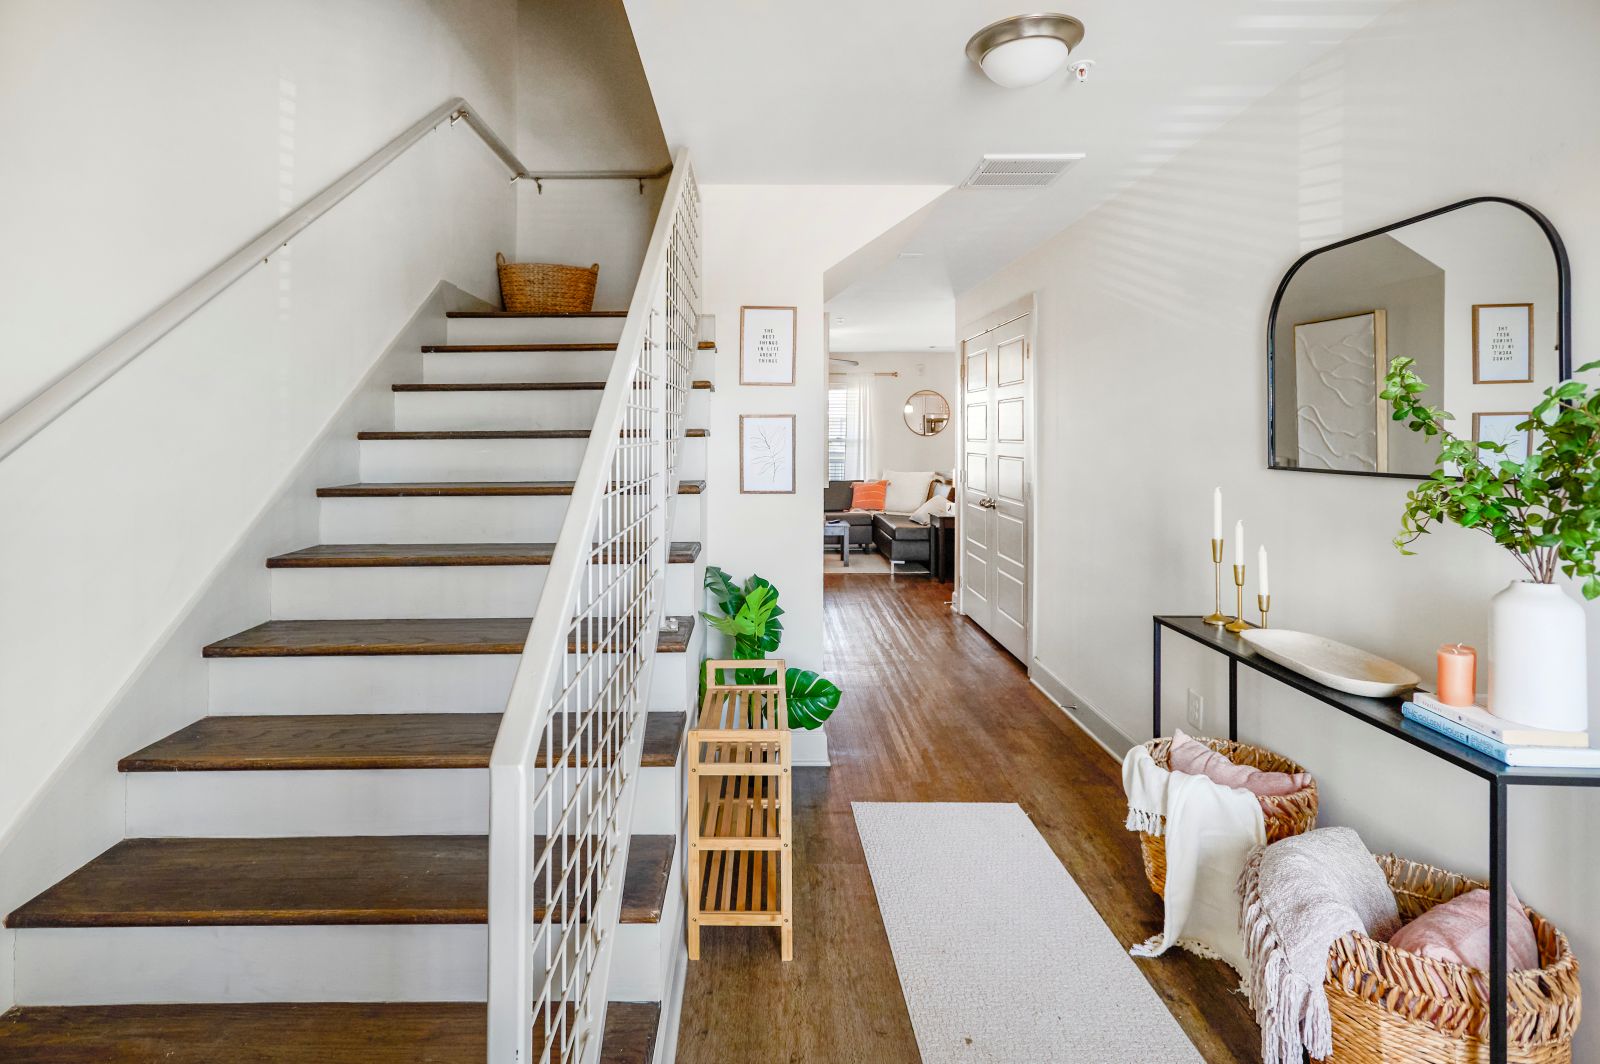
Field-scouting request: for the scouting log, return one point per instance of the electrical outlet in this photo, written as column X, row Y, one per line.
column 1196, row 715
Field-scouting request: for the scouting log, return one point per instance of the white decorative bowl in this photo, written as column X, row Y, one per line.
column 1343, row 668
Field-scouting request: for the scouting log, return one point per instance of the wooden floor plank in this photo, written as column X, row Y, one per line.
column 467, row 488
column 403, row 635
column 385, row 555
column 363, row 741
column 339, row 1033
column 389, row 879
column 933, row 711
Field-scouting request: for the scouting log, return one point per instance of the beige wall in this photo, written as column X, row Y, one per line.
column 1152, row 388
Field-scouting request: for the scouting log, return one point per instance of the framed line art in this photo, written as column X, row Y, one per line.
column 766, row 345
column 1500, row 426
column 766, row 454
column 1502, row 343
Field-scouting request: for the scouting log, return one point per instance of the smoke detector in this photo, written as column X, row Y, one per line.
column 1019, row 171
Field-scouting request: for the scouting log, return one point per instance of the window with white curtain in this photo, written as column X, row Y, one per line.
column 848, row 427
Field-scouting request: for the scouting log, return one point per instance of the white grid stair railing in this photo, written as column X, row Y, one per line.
column 558, row 836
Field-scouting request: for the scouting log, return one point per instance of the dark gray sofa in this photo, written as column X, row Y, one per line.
column 894, row 535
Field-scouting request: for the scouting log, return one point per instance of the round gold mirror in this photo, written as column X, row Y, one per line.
column 927, row 413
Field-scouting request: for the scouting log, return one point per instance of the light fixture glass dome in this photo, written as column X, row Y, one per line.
column 1024, row 49
column 1025, row 61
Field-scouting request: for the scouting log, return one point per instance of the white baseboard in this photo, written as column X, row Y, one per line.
column 1094, row 723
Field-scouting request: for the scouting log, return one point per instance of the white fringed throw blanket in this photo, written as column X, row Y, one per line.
column 1209, row 830
column 1298, row 897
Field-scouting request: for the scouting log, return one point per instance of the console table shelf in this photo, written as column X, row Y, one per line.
column 1384, row 714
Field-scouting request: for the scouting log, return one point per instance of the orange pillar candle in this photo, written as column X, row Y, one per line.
column 1458, row 675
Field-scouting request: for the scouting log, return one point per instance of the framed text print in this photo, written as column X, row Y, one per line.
column 1502, row 343
column 766, row 345
column 766, row 454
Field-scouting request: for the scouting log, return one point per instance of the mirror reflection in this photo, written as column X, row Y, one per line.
column 927, row 413
column 1473, row 295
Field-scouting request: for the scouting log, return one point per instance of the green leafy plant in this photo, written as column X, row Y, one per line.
column 750, row 615
column 1545, row 510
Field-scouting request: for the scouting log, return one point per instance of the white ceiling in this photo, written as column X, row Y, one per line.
column 880, row 92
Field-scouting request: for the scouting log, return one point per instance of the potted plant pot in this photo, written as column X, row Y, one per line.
column 1538, row 667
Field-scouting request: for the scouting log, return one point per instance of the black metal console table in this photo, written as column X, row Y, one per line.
column 1384, row 714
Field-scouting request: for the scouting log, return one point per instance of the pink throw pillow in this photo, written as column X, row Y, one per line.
column 1458, row 931
column 1195, row 758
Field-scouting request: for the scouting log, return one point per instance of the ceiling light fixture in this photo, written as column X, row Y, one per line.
column 1024, row 49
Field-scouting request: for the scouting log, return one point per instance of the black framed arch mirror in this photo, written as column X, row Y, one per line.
column 1478, row 293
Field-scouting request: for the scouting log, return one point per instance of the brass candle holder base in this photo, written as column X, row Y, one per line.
column 1238, row 624
column 1264, row 604
column 1216, row 616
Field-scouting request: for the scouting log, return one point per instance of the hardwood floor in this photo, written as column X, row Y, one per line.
column 933, row 711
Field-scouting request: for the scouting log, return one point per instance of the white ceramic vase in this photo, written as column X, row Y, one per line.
column 1538, row 668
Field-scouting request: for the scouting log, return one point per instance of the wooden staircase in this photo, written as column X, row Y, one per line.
column 304, row 877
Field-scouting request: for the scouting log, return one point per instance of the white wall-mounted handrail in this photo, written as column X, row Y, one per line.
column 23, row 422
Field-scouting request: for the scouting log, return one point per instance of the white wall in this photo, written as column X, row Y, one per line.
column 893, row 444
column 570, row 119
column 768, row 245
column 1151, row 380
column 149, row 140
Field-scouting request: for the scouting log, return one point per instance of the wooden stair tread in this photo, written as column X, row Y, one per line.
column 521, row 386
column 497, row 434
column 289, row 1033
column 451, row 349
column 467, row 488
column 534, row 314
column 386, row 555
column 363, row 741
column 403, row 635
column 366, row 879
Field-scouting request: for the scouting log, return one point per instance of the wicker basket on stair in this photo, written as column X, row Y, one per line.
column 1285, row 815
column 1391, row 1005
column 546, row 288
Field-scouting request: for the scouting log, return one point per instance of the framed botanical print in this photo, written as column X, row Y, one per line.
column 1501, row 427
column 766, row 345
column 1502, row 343
column 766, row 454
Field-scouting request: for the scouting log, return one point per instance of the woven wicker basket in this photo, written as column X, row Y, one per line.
column 546, row 288
column 1285, row 815
column 1390, row 1005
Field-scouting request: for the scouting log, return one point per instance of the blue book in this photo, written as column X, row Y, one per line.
column 1459, row 732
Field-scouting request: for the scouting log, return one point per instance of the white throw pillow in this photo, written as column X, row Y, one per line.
column 936, row 505
column 907, row 491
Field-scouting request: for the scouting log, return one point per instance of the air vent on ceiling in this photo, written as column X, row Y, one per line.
column 1019, row 171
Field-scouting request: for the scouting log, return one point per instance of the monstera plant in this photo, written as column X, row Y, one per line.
column 749, row 616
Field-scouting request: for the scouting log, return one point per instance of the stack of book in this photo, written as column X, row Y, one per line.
column 1502, row 739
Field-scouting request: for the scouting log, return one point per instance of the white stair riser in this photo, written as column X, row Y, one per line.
column 133, row 965
column 642, row 967
column 435, row 591
column 401, row 683
column 533, row 330
column 478, row 367
column 279, row 804
column 467, row 519
column 448, row 411
column 391, row 461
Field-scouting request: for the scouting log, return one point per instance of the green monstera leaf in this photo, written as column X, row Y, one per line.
column 812, row 699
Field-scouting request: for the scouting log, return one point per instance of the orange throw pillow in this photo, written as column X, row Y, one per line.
column 869, row 495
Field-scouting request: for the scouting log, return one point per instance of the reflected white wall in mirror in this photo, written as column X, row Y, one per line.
column 1473, row 295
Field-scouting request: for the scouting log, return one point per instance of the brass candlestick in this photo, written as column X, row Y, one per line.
column 1238, row 624
column 1216, row 615
column 1264, row 602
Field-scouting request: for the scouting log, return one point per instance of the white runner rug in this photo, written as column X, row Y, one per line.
column 1001, row 957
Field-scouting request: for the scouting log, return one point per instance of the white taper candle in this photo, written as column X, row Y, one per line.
column 1261, row 563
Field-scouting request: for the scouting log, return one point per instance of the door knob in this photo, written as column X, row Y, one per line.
column 986, row 503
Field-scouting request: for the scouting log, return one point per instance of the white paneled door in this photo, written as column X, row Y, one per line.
column 997, row 371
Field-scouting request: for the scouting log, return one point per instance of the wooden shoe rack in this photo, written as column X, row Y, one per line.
column 741, row 835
